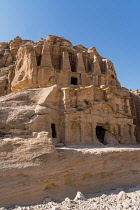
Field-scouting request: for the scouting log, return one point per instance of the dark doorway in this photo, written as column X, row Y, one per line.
column 2, row 134
column 100, row 133
column 73, row 80
column 54, row 134
column 38, row 58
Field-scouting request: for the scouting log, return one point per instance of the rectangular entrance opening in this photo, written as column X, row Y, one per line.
column 100, row 133
column 73, row 80
column 54, row 134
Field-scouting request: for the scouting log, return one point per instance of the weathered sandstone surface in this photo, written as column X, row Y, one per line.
column 55, row 94
column 64, row 90
column 32, row 169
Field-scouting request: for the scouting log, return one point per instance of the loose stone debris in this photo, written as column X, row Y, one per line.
column 115, row 199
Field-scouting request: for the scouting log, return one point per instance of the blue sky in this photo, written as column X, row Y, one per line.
column 112, row 26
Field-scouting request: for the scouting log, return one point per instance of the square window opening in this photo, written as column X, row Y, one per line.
column 73, row 80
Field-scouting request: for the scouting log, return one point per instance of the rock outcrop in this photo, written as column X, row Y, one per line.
column 54, row 61
column 53, row 93
column 75, row 87
column 73, row 116
column 32, row 169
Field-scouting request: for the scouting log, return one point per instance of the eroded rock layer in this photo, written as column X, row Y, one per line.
column 32, row 169
column 69, row 91
column 74, row 116
column 55, row 94
column 53, row 61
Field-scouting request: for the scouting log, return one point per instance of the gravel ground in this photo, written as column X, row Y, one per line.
column 117, row 199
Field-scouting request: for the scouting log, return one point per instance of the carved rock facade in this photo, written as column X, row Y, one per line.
column 71, row 92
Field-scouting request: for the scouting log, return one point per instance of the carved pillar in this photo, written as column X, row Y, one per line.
column 46, row 57
column 97, row 69
column 67, row 130
column 133, row 138
column 118, row 132
column 65, row 68
column 99, row 80
column 65, row 62
column 95, row 80
column 81, row 68
column 128, row 106
column 80, row 63
column 82, row 132
column 91, row 55
column 122, row 133
column 132, row 129
column 112, row 128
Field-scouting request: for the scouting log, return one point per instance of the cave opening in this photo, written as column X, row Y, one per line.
column 54, row 134
column 100, row 133
column 38, row 59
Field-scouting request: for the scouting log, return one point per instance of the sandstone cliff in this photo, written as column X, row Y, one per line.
column 27, row 64
column 81, row 93
column 53, row 93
